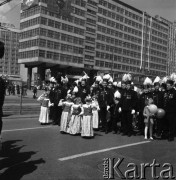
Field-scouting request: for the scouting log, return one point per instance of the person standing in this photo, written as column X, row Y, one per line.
column 34, row 92
column 128, row 107
column 170, row 108
column 105, row 100
column 2, row 91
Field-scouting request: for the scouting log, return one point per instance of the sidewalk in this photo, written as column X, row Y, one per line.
column 18, row 116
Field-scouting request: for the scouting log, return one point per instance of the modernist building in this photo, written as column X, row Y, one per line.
column 171, row 61
column 9, row 63
column 106, row 35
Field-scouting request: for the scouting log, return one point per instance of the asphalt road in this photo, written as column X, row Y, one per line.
column 34, row 152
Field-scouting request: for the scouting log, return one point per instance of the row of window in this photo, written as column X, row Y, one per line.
column 49, row 22
column 125, row 52
column 159, row 41
column 118, row 43
column 51, row 55
column 159, row 47
column 157, row 53
column 161, row 35
column 51, row 34
column 126, row 67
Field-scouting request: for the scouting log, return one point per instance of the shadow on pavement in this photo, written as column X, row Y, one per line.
column 15, row 164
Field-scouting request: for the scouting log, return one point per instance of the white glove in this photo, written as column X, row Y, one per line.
column 120, row 109
column 133, row 111
column 137, row 113
column 108, row 108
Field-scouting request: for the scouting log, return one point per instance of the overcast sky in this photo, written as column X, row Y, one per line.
column 166, row 8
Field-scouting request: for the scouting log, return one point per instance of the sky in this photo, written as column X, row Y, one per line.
column 10, row 12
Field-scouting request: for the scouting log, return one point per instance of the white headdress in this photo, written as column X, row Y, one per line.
column 117, row 94
column 147, row 81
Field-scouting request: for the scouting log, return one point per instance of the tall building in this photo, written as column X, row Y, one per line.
column 9, row 63
column 99, row 35
column 171, row 61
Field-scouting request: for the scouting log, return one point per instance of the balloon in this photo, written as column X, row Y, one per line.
column 160, row 113
column 153, row 108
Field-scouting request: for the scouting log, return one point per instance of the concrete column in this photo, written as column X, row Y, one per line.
column 29, row 77
column 41, row 74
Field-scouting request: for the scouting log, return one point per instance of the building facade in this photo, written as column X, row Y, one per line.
column 99, row 35
column 9, row 63
column 171, row 61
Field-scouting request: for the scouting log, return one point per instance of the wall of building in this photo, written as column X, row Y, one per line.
column 106, row 35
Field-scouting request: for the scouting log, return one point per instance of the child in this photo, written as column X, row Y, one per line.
column 45, row 104
column 87, row 124
column 148, row 119
column 75, row 123
column 66, row 114
column 95, row 109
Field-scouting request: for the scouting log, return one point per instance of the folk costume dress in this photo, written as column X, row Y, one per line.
column 87, row 123
column 75, row 122
column 95, row 117
column 66, row 116
column 44, row 112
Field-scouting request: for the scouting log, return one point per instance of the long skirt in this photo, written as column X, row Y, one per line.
column 65, row 119
column 87, row 126
column 95, row 119
column 75, row 125
column 44, row 115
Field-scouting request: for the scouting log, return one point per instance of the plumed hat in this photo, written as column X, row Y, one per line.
column 117, row 95
column 157, row 81
column 147, row 81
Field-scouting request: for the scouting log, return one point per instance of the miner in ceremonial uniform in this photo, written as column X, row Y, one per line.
column 83, row 89
column 158, row 98
column 105, row 100
column 128, row 106
column 51, row 98
column 58, row 95
column 170, row 108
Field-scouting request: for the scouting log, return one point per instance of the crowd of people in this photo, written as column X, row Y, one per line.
column 108, row 106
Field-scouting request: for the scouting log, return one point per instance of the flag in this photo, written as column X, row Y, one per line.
column 28, row 4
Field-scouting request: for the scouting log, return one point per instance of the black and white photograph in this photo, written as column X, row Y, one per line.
column 87, row 89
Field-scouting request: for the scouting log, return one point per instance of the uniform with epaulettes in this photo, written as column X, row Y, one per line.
column 128, row 103
column 170, row 108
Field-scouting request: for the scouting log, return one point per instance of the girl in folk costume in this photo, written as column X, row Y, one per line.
column 75, row 123
column 45, row 104
column 87, row 123
column 95, row 109
column 66, row 113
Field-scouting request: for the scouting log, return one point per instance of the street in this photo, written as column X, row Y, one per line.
column 34, row 152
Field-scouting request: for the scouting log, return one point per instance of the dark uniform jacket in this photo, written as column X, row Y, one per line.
column 128, row 100
column 83, row 92
column 105, row 97
column 170, row 101
column 2, row 94
column 58, row 95
column 158, row 98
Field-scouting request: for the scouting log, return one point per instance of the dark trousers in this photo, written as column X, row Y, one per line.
column 171, row 119
column 115, row 120
column 56, row 114
column 1, row 114
column 140, row 122
column 159, row 126
column 103, row 113
column 126, row 122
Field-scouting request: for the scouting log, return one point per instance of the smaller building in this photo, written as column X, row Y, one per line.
column 9, row 63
